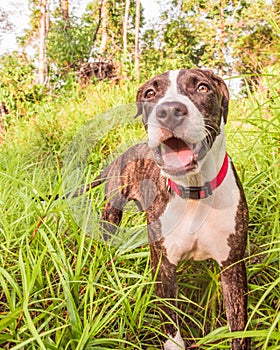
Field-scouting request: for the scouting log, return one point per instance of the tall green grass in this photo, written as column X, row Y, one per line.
column 61, row 289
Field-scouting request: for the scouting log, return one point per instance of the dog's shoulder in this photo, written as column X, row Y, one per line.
column 134, row 175
column 130, row 162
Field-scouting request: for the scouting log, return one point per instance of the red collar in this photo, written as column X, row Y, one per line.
column 200, row 192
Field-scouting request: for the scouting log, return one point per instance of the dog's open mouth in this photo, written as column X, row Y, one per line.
column 176, row 157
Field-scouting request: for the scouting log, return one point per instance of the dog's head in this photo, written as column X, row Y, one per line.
column 183, row 112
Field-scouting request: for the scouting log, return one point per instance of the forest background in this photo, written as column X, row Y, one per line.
column 60, row 287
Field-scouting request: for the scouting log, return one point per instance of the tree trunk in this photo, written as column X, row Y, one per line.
column 104, row 26
column 222, row 37
column 137, row 50
column 64, row 4
column 125, row 22
column 43, row 30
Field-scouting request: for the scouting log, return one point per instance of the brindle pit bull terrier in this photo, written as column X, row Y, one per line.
column 195, row 207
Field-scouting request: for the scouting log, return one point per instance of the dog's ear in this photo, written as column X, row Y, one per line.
column 225, row 94
column 223, row 89
column 139, row 109
column 139, row 104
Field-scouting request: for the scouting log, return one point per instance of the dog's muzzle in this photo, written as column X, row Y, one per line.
column 175, row 155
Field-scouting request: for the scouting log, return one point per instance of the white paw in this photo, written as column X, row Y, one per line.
column 174, row 343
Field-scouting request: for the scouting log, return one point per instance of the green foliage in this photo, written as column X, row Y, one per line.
column 18, row 88
column 172, row 43
column 225, row 36
column 77, row 39
column 177, row 44
column 259, row 47
column 116, row 13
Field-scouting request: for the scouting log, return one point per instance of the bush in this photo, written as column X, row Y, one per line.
column 18, row 88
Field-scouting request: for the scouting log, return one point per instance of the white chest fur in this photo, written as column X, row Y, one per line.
column 199, row 229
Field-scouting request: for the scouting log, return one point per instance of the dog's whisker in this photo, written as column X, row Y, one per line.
column 208, row 137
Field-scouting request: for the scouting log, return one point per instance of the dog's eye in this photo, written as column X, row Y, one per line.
column 203, row 88
column 150, row 93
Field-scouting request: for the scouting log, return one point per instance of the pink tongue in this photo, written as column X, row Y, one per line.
column 175, row 153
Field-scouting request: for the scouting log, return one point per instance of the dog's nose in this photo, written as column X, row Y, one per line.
column 171, row 114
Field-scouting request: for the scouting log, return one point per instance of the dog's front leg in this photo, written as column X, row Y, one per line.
column 234, row 277
column 166, row 288
column 234, row 284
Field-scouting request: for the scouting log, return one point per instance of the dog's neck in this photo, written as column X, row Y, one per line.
column 209, row 166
